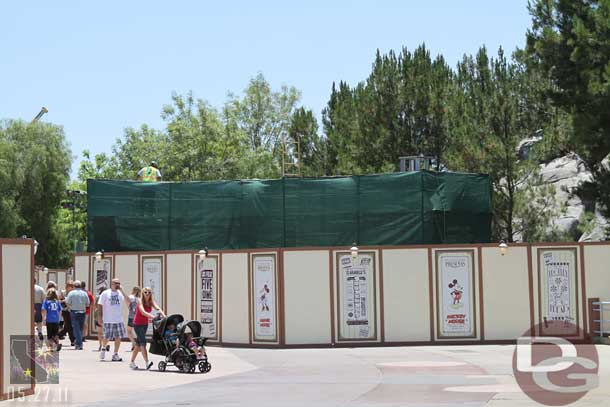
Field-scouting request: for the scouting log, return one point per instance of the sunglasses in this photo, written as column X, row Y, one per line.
column 147, row 292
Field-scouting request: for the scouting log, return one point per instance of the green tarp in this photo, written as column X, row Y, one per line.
column 387, row 209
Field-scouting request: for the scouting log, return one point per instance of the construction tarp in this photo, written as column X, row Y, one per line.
column 375, row 210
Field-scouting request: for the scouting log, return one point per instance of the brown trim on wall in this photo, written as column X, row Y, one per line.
column 248, row 258
column 193, row 287
column 2, row 325
column 16, row 241
column 139, row 268
column 332, row 297
column 32, row 332
column 282, row 298
column 530, row 277
column 381, row 298
column 431, row 295
column 219, row 299
column 164, row 282
column 585, row 319
column 481, row 302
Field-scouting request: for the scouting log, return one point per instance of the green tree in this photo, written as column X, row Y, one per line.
column 570, row 41
column 304, row 129
column 37, row 157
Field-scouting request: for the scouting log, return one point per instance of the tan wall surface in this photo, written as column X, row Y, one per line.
column 178, row 284
column 406, row 294
column 505, row 293
column 81, row 269
column 17, row 302
column 235, row 321
column 597, row 268
column 307, row 297
column 125, row 269
column 61, row 280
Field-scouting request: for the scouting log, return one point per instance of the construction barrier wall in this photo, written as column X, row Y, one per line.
column 16, row 309
column 387, row 295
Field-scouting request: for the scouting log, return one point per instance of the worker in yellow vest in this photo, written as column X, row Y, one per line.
column 150, row 173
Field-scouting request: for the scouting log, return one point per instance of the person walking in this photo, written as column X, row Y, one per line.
column 78, row 300
column 136, row 293
column 98, row 326
column 39, row 297
column 111, row 318
column 51, row 310
column 142, row 317
column 65, row 313
column 88, row 310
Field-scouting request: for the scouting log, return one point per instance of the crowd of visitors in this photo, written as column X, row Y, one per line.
column 67, row 312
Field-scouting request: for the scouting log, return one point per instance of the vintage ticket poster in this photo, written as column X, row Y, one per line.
column 455, row 294
column 206, row 274
column 558, row 287
column 356, row 297
column 265, row 325
column 101, row 274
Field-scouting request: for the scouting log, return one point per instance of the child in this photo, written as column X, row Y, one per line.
column 170, row 330
column 51, row 309
column 190, row 342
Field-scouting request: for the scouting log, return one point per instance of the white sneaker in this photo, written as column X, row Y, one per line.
column 133, row 366
column 116, row 358
column 103, row 354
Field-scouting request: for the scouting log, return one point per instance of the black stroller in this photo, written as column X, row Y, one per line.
column 175, row 348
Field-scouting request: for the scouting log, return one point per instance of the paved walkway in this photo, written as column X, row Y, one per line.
column 405, row 376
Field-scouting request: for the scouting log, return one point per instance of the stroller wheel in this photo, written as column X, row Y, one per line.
column 186, row 366
column 202, row 366
column 162, row 366
column 208, row 367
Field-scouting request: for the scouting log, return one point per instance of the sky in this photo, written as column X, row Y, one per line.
column 100, row 67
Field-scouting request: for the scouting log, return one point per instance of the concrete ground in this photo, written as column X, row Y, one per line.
column 397, row 376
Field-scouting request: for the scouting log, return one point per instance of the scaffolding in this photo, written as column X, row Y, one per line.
column 291, row 156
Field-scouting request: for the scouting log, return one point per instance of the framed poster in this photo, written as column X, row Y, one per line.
column 152, row 276
column 101, row 273
column 264, row 298
column 356, row 297
column 558, row 291
column 455, row 294
column 206, row 284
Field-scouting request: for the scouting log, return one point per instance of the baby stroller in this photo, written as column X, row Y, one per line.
column 178, row 353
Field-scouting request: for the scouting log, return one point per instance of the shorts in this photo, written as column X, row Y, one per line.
column 114, row 331
column 52, row 329
column 37, row 313
column 140, row 331
column 130, row 322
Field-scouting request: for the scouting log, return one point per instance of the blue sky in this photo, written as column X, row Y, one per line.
column 103, row 66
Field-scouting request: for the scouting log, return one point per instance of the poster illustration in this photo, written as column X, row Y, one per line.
column 206, row 274
column 356, row 297
column 101, row 274
column 558, row 286
column 264, row 298
column 456, row 294
column 152, row 276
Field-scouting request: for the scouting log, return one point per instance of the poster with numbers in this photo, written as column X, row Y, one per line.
column 356, row 281
column 152, row 276
column 207, row 285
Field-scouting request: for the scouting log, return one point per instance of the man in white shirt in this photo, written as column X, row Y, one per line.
column 111, row 318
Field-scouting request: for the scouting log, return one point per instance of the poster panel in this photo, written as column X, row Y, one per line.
column 100, row 280
column 264, row 298
column 207, row 288
column 455, row 294
column 557, row 274
column 152, row 276
column 357, row 297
